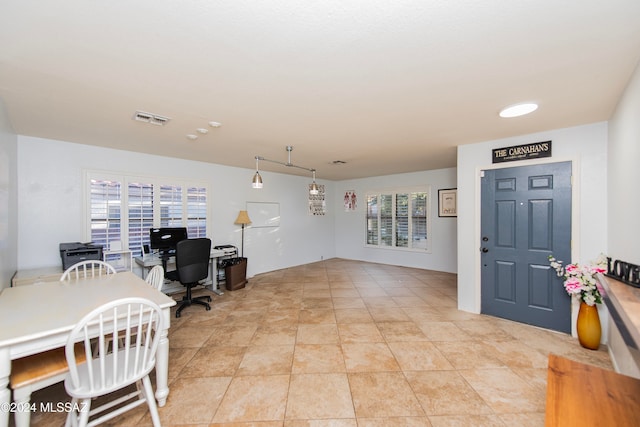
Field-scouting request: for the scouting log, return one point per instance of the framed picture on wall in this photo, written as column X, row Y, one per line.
column 448, row 202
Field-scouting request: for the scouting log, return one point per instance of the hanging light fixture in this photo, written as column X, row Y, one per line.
column 314, row 187
column 257, row 179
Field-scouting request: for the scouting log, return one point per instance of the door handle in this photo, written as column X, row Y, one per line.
column 484, row 250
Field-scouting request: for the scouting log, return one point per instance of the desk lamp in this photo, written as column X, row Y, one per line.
column 242, row 219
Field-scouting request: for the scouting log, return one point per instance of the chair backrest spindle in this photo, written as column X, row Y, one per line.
column 87, row 269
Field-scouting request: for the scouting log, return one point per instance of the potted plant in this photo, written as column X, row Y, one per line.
column 580, row 281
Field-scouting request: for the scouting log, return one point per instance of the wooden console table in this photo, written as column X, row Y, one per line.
column 584, row 395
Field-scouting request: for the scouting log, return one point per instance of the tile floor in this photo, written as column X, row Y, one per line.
column 344, row 344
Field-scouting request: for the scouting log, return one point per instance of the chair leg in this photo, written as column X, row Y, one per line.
column 22, row 397
column 202, row 298
column 188, row 300
column 79, row 412
column 73, row 417
column 151, row 401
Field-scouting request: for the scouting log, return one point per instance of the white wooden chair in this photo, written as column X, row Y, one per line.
column 156, row 277
column 35, row 372
column 85, row 269
column 130, row 362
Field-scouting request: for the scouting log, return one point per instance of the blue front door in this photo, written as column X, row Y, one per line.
column 526, row 215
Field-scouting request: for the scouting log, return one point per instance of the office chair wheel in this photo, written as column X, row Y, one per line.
column 207, row 307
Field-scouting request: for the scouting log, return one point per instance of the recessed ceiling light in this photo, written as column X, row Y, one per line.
column 518, row 110
column 202, row 131
column 215, row 124
column 192, row 137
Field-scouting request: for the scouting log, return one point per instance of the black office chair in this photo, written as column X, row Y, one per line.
column 192, row 265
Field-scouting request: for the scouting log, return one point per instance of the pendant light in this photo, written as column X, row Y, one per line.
column 257, row 179
column 314, row 187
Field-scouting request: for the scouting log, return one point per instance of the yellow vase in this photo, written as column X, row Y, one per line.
column 588, row 326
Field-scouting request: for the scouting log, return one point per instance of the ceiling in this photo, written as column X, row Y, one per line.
column 387, row 86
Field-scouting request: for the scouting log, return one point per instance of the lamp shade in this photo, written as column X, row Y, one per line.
column 243, row 218
column 257, row 180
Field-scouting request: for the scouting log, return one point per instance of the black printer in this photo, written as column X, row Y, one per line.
column 72, row 253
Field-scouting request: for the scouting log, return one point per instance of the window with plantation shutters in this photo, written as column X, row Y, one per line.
column 123, row 208
column 372, row 219
column 398, row 219
column 197, row 211
column 170, row 206
column 140, row 204
column 106, row 211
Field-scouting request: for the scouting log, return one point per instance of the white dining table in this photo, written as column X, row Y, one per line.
column 39, row 317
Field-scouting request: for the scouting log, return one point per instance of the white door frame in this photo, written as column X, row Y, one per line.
column 575, row 219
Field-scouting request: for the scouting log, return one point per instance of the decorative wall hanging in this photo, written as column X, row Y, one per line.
column 350, row 201
column 317, row 205
column 448, row 202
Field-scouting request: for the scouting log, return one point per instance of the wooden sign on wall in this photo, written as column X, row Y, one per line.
column 522, row 152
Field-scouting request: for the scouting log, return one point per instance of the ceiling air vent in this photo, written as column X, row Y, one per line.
column 154, row 119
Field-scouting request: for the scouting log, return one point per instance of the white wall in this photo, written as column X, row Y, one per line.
column 623, row 203
column 586, row 146
column 350, row 232
column 624, row 175
column 50, row 201
column 8, row 199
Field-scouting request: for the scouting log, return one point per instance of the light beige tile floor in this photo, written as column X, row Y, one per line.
column 345, row 344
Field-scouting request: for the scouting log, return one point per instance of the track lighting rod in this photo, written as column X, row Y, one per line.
column 291, row 165
column 288, row 163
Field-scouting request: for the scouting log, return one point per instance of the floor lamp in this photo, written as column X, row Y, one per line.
column 243, row 219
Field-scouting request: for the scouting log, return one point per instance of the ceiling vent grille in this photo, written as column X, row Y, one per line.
column 154, row 119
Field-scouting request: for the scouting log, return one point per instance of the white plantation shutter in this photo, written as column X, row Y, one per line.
column 386, row 219
column 373, row 229
column 419, row 220
column 140, row 204
column 124, row 208
column 197, row 212
column 398, row 219
column 170, row 206
column 105, row 211
column 402, row 220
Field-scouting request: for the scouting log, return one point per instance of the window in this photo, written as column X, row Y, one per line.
column 196, row 211
column 105, row 199
column 398, row 219
column 140, row 204
column 124, row 208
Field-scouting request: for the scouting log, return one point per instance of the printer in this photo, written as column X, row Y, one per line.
column 74, row 252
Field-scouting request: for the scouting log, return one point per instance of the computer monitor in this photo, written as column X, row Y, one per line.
column 165, row 239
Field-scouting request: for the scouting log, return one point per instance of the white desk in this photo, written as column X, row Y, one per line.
column 151, row 260
column 39, row 317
